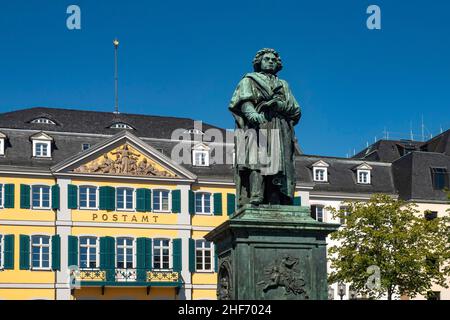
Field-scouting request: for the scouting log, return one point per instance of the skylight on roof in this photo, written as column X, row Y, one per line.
column 43, row 120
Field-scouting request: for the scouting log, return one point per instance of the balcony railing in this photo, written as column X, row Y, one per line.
column 127, row 277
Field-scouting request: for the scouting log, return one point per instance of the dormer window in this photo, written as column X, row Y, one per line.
column 42, row 145
column 320, row 171
column 194, row 131
column 121, row 125
column 200, row 155
column 43, row 120
column 2, row 144
column 363, row 173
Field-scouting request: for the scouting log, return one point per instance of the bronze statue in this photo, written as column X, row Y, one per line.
column 263, row 104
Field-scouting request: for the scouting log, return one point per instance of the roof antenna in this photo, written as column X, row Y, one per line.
column 423, row 130
column 116, row 88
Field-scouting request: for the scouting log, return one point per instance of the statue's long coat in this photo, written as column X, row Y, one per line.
column 257, row 88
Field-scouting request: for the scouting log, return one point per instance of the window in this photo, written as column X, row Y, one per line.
column 41, row 149
column 125, row 253
column 430, row 215
column 203, row 255
column 85, row 146
column 161, row 253
column 320, row 174
column 125, row 198
column 2, row 146
column 201, row 158
column 433, row 295
column 1, row 196
column 40, row 252
column 121, row 126
column 342, row 219
column 1, row 252
column 202, row 202
column 440, row 178
column 43, row 120
column 88, row 252
column 363, row 176
column 41, row 197
column 161, row 200
column 317, row 212
column 88, row 197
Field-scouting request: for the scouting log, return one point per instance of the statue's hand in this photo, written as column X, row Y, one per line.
column 256, row 118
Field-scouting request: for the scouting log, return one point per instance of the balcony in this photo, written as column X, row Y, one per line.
column 127, row 277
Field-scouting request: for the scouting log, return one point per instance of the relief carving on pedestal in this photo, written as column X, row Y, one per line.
column 283, row 273
column 127, row 161
column 225, row 286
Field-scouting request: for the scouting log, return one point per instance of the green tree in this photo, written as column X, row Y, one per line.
column 391, row 237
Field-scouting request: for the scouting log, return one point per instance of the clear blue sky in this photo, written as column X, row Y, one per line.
column 184, row 58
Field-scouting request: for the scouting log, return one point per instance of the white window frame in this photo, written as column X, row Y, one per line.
column 161, row 248
column 360, row 181
column 124, row 247
column 169, row 205
column 97, row 251
column 2, row 146
column 41, row 245
column 2, row 251
column 203, row 249
column 204, row 194
column 44, row 142
column 325, row 174
column 133, row 200
column 323, row 212
column 87, row 197
column 2, row 195
column 40, row 207
column 199, row 152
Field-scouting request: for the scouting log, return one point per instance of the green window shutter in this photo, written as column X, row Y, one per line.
column 107, row 256
column 176, row 201
column 111, row 199
column 73, row 251
column 55, row 197
column 148, row 200
column 176, row 261
column 297, row 201
column 9, row 196
column 217, row 204
column 192, row 255
column 140, row 200
column 24, row 252
column 72, row 196
column 102, row 198
column 56, row 252
column 25, row 196
column 191, row 202
column 140, row 259
column 8, row 263
column 107, row 198
column 231, row 203
column 148, row 254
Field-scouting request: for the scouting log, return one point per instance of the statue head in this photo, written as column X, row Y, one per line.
column 267, row 60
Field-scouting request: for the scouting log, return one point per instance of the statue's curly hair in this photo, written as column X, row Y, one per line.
column 260, row 54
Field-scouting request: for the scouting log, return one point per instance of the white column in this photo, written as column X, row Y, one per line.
column 63, row 229
column 184, row 218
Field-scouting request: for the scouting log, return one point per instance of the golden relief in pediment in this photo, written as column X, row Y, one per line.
column 125, row 160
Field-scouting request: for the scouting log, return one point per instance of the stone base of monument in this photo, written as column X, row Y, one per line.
column 272, row 252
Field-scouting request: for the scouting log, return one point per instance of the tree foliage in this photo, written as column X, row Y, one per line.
column 411, row 252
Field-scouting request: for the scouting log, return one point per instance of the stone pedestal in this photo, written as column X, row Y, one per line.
column 270, row 252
